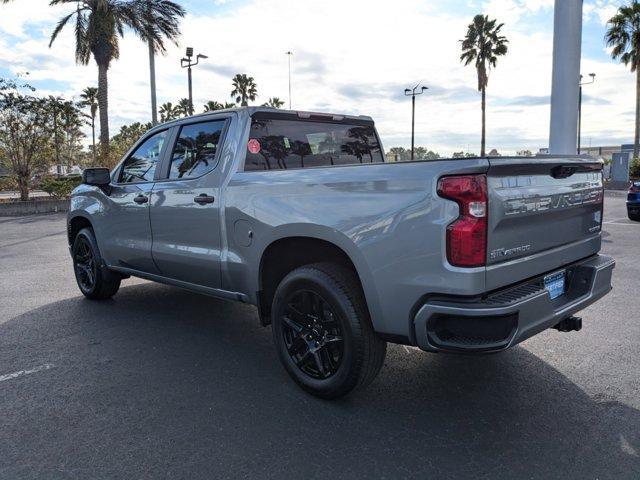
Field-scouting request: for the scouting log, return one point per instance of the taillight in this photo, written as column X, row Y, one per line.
column 467, row 235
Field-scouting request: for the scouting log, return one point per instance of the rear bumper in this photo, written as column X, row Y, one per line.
column 509, row 316
column 633, row 204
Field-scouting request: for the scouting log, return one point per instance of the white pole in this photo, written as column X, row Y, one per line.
column 567, row 40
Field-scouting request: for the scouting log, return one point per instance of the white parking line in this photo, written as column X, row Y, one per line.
column 20, row 373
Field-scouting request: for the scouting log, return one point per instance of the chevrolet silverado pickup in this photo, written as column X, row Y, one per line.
column 299, row 214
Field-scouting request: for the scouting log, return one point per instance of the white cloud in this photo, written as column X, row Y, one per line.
column 602, row 10
column 350, row 56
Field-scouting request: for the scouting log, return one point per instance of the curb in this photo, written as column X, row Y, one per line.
column 32, row 207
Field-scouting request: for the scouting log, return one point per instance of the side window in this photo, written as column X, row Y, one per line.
column 141, row 164
column 195, row 150
column 277, row 144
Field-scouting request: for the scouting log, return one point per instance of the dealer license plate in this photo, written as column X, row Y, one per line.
column 554, row 283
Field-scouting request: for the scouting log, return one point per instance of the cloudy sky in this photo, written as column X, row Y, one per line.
column 351, row 56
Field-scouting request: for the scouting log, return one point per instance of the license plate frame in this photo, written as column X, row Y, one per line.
column 555, row 283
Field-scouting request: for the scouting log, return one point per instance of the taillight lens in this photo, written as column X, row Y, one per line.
column 467, row 235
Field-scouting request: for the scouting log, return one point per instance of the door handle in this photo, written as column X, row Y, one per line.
column 141, row 199
column 203, row 198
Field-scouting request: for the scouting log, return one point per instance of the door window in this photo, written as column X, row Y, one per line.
column 141, row 164
column 195, row 150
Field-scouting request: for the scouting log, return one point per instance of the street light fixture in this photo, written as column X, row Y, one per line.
column 187, row 63
column 411, row 92
column 589, row 82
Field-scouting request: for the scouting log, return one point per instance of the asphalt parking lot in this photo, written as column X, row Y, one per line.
column 162, row 383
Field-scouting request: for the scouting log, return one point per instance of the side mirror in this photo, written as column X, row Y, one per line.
column 98, row 176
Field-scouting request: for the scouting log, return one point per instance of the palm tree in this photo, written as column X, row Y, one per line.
column 159, row 11
column 244, row 89
column 483, row 44
column 623, row 34
column 89, row 98
column 273, row 102
column 99, row 24
column 168, row 112
column 183, row 107
column 212, row 106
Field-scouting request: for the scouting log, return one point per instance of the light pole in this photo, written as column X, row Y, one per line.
column 593, row 79
column 411, row 92
column 187, row 63
column 289, row 54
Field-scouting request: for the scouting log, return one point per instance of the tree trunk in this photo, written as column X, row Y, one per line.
column 93, row 138
column 152, row 82
column 23, row 185
column 56, row 145
column 484, row 122
column 103, row 107
column 636, row 141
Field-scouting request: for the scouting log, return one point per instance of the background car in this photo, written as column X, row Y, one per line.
column 633, row 201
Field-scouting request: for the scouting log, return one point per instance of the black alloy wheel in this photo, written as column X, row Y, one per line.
column 312, row 334
column 85, row 265
column 322, row 330
column 93, row 278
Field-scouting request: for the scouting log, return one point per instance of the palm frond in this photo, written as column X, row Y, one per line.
column 56, row 31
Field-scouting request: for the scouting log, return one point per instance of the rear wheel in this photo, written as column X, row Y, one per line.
column 634, row 216
column 322, row 331
column 94, row 280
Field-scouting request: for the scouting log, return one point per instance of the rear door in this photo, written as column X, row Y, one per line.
column 185, row 205
column 543, row 213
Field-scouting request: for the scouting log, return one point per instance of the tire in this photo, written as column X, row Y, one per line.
column 94, row 280
column 634, row 216
column 322, row 331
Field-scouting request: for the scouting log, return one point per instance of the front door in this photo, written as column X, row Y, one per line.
column 127, row 230
column 185, row 207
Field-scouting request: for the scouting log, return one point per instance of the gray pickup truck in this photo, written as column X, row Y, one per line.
column 299, row 214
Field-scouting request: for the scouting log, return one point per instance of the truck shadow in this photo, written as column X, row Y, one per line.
column 164, row 382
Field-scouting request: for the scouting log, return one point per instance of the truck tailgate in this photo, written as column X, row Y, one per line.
column 544, row 212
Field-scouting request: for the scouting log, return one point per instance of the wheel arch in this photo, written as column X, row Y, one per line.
column 294, row 248
column 76, row 223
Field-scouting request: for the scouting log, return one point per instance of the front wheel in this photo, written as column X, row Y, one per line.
column 94, row 281
column 322, row 331
column 634, row 216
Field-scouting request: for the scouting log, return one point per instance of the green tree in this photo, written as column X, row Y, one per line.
column 183, row 107
column 99, row 24
column 634, row 169
column 89, row 98
column 274, row 102
column 71, row 122
column 124, row 140
column 212, row 106
column 399, row 154
column 483, row 44
column 25, row 132
column 623, row 34
column 168, row 112
column 244, row 89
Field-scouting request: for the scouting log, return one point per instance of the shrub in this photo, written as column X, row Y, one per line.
column 60, row 186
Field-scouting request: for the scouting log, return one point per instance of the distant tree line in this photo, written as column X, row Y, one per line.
column 401, row 154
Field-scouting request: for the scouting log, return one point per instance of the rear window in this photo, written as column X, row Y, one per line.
column 282, row 144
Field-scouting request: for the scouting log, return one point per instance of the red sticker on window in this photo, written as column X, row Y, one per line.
column 253, row 145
